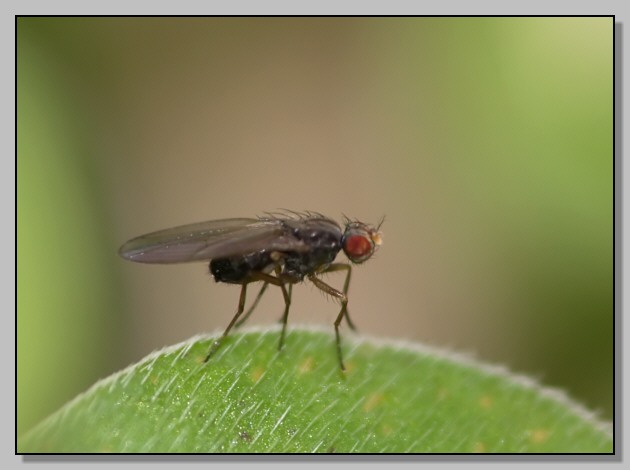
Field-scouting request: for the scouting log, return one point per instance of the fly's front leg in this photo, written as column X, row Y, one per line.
column 241, row 307
column 343, row 299
column 346, row 284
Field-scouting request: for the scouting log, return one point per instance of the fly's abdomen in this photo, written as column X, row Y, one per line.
column 237, row 269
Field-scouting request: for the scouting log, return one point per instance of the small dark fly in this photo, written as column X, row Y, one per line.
column 278, row 249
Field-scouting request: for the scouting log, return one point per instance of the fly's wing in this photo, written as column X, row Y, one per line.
column 212, row 239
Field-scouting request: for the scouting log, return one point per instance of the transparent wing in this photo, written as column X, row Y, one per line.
column 213, row 239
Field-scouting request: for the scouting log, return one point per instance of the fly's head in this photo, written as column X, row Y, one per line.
column 360, row 241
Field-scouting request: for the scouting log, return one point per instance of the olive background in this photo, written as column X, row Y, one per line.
column 487, row 144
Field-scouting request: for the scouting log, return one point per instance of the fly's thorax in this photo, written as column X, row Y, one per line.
column 323, row 242
column 313, row 228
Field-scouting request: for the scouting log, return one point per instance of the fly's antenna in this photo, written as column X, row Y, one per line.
column 378, row 227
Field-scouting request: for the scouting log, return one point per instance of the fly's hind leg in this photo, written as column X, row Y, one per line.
column 267, row 279
column 241, row 306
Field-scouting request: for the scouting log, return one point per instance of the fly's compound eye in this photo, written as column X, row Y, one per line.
column 360, row 241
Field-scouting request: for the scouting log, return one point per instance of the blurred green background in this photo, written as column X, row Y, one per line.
column 486, row 143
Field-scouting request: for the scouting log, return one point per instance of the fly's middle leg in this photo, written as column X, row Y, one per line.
column 286, row 294
column 253, row 305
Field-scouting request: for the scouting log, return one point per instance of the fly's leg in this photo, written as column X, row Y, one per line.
column 287, row 302
column 286, row 294
column 241, row 307
column 346, row 284
column 253, row 306
column 268, row 279
column 290, row 292
column 343, row 299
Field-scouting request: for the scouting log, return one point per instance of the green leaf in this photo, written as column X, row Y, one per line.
column 394, row 397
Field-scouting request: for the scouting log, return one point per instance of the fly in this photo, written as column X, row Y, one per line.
column 280, row 250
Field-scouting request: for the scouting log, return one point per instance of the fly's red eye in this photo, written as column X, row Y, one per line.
column 359, row 241
column 358, row 248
